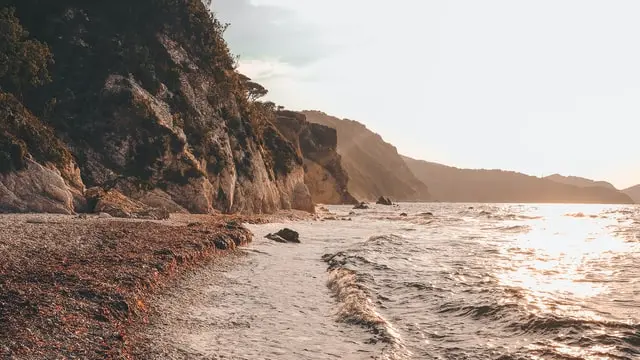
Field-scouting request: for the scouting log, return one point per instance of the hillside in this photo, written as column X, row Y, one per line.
column 139, row 101
column 634, row 193
column 374, row 166
column 452, row 184
column 579, row 181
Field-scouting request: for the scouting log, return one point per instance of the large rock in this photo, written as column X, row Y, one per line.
column 384, row 201
column 302, row 199
column 37, row 171
column 36, row 189
column 114, row 203
column 285, row 235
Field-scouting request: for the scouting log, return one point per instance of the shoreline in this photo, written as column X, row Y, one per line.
column 76, row 286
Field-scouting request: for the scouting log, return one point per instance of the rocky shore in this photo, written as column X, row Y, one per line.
column 79, row 286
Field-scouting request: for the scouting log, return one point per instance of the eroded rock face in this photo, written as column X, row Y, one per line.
column 36, row 189
column 317, row 145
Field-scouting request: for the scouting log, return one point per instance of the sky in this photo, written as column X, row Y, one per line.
column 536, row 86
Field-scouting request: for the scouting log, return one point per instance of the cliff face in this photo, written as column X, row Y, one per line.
column 465, row 185
column 143, row 100
column 317, row 145
column 374, row 167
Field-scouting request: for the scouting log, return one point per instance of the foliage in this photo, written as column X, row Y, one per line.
column 23, row 62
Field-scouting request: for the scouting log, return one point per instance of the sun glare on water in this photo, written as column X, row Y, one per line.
column 562, row 253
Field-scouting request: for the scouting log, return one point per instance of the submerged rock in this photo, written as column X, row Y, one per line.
column 404, row 214
column 361, row 206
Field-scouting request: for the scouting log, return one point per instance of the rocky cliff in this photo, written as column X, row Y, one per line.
column 374, row 167
column 317, row 145
column 452, row 184
column 142, row 99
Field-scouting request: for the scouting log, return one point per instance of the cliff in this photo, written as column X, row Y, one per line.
column 317, row 145
column 452, row 184
column 634, row 193
column 374, row 167
column 142, row 99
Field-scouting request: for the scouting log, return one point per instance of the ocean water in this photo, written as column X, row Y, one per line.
column 447, row 281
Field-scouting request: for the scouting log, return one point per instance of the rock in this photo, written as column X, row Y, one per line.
column 35, row 189
column 115, row 204
column 285, row 234
column 302, row 199
column 275, row 238
column 384, row 201
column 104, row 216
column 404, row 214
column 361, row 206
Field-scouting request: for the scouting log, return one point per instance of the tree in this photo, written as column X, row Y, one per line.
column 254, row 90
column 23, row 62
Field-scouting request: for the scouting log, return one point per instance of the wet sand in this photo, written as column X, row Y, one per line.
column 270, row 302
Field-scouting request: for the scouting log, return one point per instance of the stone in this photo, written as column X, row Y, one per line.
column 285, row 235
column 361, row 206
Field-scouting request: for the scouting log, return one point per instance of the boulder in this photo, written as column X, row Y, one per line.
column 275, row 238
column 384, row 201
column 285, row 235
column 404, row 214
column 115, row 204
column 302, row 199
column 361, row 206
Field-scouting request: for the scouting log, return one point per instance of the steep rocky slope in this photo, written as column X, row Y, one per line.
column 143, row 100
column 634, row 193
column 452, row 184
column 317, row 145
column 374, row 167
column 579, row 181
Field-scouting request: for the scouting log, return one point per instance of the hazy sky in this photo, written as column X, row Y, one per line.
column 533, row 86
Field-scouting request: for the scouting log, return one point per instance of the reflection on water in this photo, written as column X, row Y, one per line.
column 467, row 282
column 510, row 281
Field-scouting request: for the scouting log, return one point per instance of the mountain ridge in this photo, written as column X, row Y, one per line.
column 453, row 184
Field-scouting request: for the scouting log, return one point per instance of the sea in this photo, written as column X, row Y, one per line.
column 431, row 281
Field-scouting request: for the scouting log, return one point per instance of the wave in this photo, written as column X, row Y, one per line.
column 356, row 307
column 520, row 321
